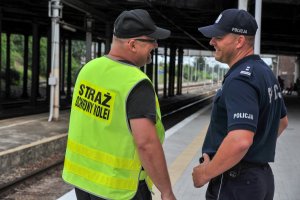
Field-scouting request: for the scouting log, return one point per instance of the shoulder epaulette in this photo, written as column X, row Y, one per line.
column 247, row 71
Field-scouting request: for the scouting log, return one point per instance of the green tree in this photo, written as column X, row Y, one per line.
column 200, row 63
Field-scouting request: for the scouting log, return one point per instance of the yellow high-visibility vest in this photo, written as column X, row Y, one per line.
column 101, row 157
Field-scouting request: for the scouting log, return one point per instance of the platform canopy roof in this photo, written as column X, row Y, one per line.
column 280, row 19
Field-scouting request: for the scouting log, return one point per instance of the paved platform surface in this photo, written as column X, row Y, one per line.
column 15, row 132
column 183, row 147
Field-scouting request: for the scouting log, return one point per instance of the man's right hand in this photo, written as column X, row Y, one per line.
column 168, row 196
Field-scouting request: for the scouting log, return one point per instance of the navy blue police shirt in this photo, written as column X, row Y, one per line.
column 249, row 99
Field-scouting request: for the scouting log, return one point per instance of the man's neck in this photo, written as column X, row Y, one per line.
column 241, row 55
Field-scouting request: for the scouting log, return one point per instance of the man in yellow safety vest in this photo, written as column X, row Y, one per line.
column 114, row 146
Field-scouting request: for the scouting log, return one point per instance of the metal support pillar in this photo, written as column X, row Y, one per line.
column 218, row 80
column 258, row 5
column 243, row 4
column 179, row 71
column 165, row 72
column 297, row 68
column 7, row 70
column 277, row 66
column 108, row 37
column 149, row 69
column 172, row 71
column 156, row 70
column 99, row 50
column 297, row 75
column 48, row 64
column 0, row 54
column 35, row 65
column 212, row 76
column 69, row 73
column 25, row 73
column 55, row 12
column 89, row 25
column 205, row 74
column 63, row 66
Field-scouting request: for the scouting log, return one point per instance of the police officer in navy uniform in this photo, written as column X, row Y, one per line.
column 247, row 117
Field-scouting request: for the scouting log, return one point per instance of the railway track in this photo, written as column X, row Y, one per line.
column 6, row 189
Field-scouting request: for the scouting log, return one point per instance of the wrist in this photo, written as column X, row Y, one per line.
column 207, row 172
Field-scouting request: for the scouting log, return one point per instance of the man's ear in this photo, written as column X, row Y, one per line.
column 241, row 41
column 132, row 45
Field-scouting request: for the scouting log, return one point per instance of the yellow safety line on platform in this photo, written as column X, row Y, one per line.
column 183, row 160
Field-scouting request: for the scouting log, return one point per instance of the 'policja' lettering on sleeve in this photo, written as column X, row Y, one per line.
column 95, row 101
column 274, row 93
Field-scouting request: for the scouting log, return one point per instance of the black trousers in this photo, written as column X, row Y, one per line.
column 243, row 184
column 142, row 193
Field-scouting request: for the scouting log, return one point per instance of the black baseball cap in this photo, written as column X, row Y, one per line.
column 231, row 21
column 134, row 23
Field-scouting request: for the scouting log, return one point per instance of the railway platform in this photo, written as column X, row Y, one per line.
column 31, row 143
column 183, row 148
